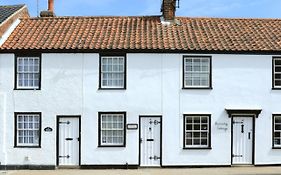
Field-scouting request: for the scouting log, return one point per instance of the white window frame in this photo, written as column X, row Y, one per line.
column 26, row 71
column 275, row 73
column 190, row 74
column 114, row 73
column 114, row 127
column 200, row 131
column 274, row 130
column 34, row 126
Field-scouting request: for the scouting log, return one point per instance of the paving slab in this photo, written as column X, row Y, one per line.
column 276, row 170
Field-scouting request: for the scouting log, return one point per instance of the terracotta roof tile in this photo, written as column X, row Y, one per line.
column 146, row 33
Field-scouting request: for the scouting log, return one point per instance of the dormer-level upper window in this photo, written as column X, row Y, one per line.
column 112, row 72
column 276, row 72
column 197, row 72
column 27, row 72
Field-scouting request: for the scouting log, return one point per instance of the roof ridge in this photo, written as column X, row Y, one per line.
column 10, row 6
column 229, row 18
column 87, row 17
column 151, row 16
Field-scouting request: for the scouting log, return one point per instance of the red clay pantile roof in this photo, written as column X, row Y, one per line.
column 145, row 33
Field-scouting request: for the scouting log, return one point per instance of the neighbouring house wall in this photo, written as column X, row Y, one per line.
column 22, row 13
column 154, row 87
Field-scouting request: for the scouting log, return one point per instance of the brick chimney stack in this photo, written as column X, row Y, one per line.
column 168, row 9
column 51, row 5
column 50, row 12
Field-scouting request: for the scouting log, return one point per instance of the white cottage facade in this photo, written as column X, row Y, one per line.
column 129, row 108
column 70, row 88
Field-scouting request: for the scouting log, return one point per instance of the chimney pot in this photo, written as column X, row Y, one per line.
column 50, row 11
column 51, row 5
column 168, row 9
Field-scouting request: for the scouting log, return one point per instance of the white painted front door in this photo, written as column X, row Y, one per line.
column 242, row 140
column 150, row 141
column 68, row 141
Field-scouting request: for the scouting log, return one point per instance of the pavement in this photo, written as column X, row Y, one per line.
column 275, row 170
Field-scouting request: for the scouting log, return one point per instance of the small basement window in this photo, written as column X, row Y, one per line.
column 112, row 129
column 197, row 131
column 276, row 131
column 28, row 126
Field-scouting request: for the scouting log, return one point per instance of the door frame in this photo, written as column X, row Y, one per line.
column 253, row 116
column 161, row 128
column 57, row 134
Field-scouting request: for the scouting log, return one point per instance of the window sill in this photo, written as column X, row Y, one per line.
column 111, row 146
column 30, row 89
column 207, row 148
column 27, row 146
column 276, row 147
column 111, row 88
column 276, row 88
column 199, row 88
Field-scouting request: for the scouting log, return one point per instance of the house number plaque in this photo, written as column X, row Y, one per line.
column 48, row 129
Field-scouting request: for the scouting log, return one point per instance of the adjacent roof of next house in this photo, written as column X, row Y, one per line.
column 8, row 10
column 145, row 34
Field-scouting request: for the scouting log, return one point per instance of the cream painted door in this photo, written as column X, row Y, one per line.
column 150, row 141
column 242, row 140
column 68, row 138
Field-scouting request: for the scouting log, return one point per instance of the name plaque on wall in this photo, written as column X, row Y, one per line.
column 132, row 126
column 222, row 126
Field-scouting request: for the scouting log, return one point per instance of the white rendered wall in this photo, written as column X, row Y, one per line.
column 154, row 87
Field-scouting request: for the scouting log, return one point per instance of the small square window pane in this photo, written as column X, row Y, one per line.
column 276, row 134
column 278, row 62
column 20, row 140
column 277, row 126
column 188, row 142
column 204, row 127
column 277, row 141
column 196, row 127
column 277, row 69
column 189, row 127
column 196, row 134
column 204, row 142
column 277, row 82
column 278, row 119
column 196, row 141
column 204, row 119
column 188, row 134
column 203, row 134
column 277, row 76
column 196, row 119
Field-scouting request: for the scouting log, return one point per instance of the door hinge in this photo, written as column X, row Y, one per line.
column 154, row 158
column 68, row 122
column 65, row 156
column 155, row 122
column 150, row 140
column 237, row 155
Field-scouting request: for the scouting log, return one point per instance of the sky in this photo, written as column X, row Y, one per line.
column 190, row 8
